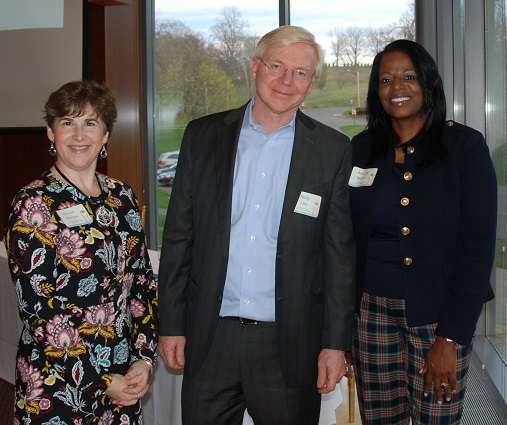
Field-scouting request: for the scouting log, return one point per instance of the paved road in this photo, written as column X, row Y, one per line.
column 333, row 117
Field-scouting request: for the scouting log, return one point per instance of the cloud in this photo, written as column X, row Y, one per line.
column 318, row 16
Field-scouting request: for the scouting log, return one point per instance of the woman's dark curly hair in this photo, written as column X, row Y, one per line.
column 434, row 106
column 73, row 98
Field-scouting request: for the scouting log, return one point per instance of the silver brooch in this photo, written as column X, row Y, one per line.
column 103, row 216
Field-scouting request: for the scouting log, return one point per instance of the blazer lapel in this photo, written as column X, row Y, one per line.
column 303, row 147
column 227, row 145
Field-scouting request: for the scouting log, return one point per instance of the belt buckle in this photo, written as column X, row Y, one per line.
column 247, row 321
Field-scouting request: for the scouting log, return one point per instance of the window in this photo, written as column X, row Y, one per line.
column 203, row 55
column 496, row 131
column 202, row 61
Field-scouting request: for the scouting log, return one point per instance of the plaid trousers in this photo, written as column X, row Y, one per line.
column 388, row 355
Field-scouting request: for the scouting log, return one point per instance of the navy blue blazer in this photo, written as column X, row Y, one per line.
column 314, row 283
column 447, row 223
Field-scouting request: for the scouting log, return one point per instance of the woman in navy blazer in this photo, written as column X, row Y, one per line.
column 424, row 204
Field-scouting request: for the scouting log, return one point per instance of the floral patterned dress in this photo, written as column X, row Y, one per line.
column 87, row 297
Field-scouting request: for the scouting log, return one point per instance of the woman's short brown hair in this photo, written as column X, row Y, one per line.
column 73, row 98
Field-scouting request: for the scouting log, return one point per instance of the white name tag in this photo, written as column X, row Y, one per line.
column 308, row 204
column 362, row 176
column 75, row 216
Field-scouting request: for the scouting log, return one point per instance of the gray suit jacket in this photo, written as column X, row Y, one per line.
column 315, row 268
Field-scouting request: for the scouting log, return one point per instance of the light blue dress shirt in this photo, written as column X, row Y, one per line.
column 260, row 179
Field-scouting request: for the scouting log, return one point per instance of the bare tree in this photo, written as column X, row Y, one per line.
column 230, row 32
column 338, row 43
column 405, row 27
column 407, row 21
column 377, row 38
column 249, row 45
column 354, row 45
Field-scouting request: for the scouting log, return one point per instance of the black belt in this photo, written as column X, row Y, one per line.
column 243, row 320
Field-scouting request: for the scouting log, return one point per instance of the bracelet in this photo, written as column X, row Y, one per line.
column 149, row 363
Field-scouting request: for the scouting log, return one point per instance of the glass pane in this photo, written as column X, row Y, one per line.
column 351, row 33
column 203, row 57
column 496, row 135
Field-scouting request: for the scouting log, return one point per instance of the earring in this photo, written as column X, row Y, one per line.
column 52, row 149
column 103, row 151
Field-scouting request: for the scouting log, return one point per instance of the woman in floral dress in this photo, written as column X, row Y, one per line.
column 80, row 268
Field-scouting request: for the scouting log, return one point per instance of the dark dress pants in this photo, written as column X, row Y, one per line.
column 242, row 370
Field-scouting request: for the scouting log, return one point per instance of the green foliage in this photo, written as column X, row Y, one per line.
column 163, row 199
column 352, row 130
column 190, row 80
column 340, row 86
column 498, row 156
column 200, row 89
column 161, row 217
column 169, row 139
column 321, row 82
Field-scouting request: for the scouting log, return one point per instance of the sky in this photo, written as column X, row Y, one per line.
column 318, row 16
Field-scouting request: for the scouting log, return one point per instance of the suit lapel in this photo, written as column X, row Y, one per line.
column 227, row 145
column 303, row 148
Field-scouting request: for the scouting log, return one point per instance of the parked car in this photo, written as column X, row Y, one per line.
column 165, row 175
column 168, row 158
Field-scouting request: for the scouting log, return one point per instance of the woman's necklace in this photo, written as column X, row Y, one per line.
column 103, row 216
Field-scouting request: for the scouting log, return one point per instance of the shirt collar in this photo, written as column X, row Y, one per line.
column 248, row 119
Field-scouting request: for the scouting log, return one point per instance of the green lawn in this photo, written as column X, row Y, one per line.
column 340, row 88
column 169, row 139
column 352, row 130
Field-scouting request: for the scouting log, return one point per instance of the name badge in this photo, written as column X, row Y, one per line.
column 362, row 176
column 74, row 216
column 308, row 204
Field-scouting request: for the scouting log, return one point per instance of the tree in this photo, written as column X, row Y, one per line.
column 377, row 38
column 354, row 45
column 189, row 77
column 172, row 39
column 338, row 42
column 204, row 90
column 249, row 45
column 407, row 22
column 230, row 32
column 321, row 82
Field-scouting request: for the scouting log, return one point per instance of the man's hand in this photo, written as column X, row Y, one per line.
column 332, row 369
column 171, row 349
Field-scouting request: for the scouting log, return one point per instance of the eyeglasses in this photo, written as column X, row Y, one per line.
column 277, row 70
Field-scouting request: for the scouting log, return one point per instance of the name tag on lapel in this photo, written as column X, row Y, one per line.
column 308, row 204
column 362, row 176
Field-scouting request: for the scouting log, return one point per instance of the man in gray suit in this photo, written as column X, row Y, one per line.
column 256, row 281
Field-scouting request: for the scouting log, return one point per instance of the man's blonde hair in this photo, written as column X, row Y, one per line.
column 287, row 35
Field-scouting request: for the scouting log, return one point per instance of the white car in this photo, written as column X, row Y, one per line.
column 168, row 158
